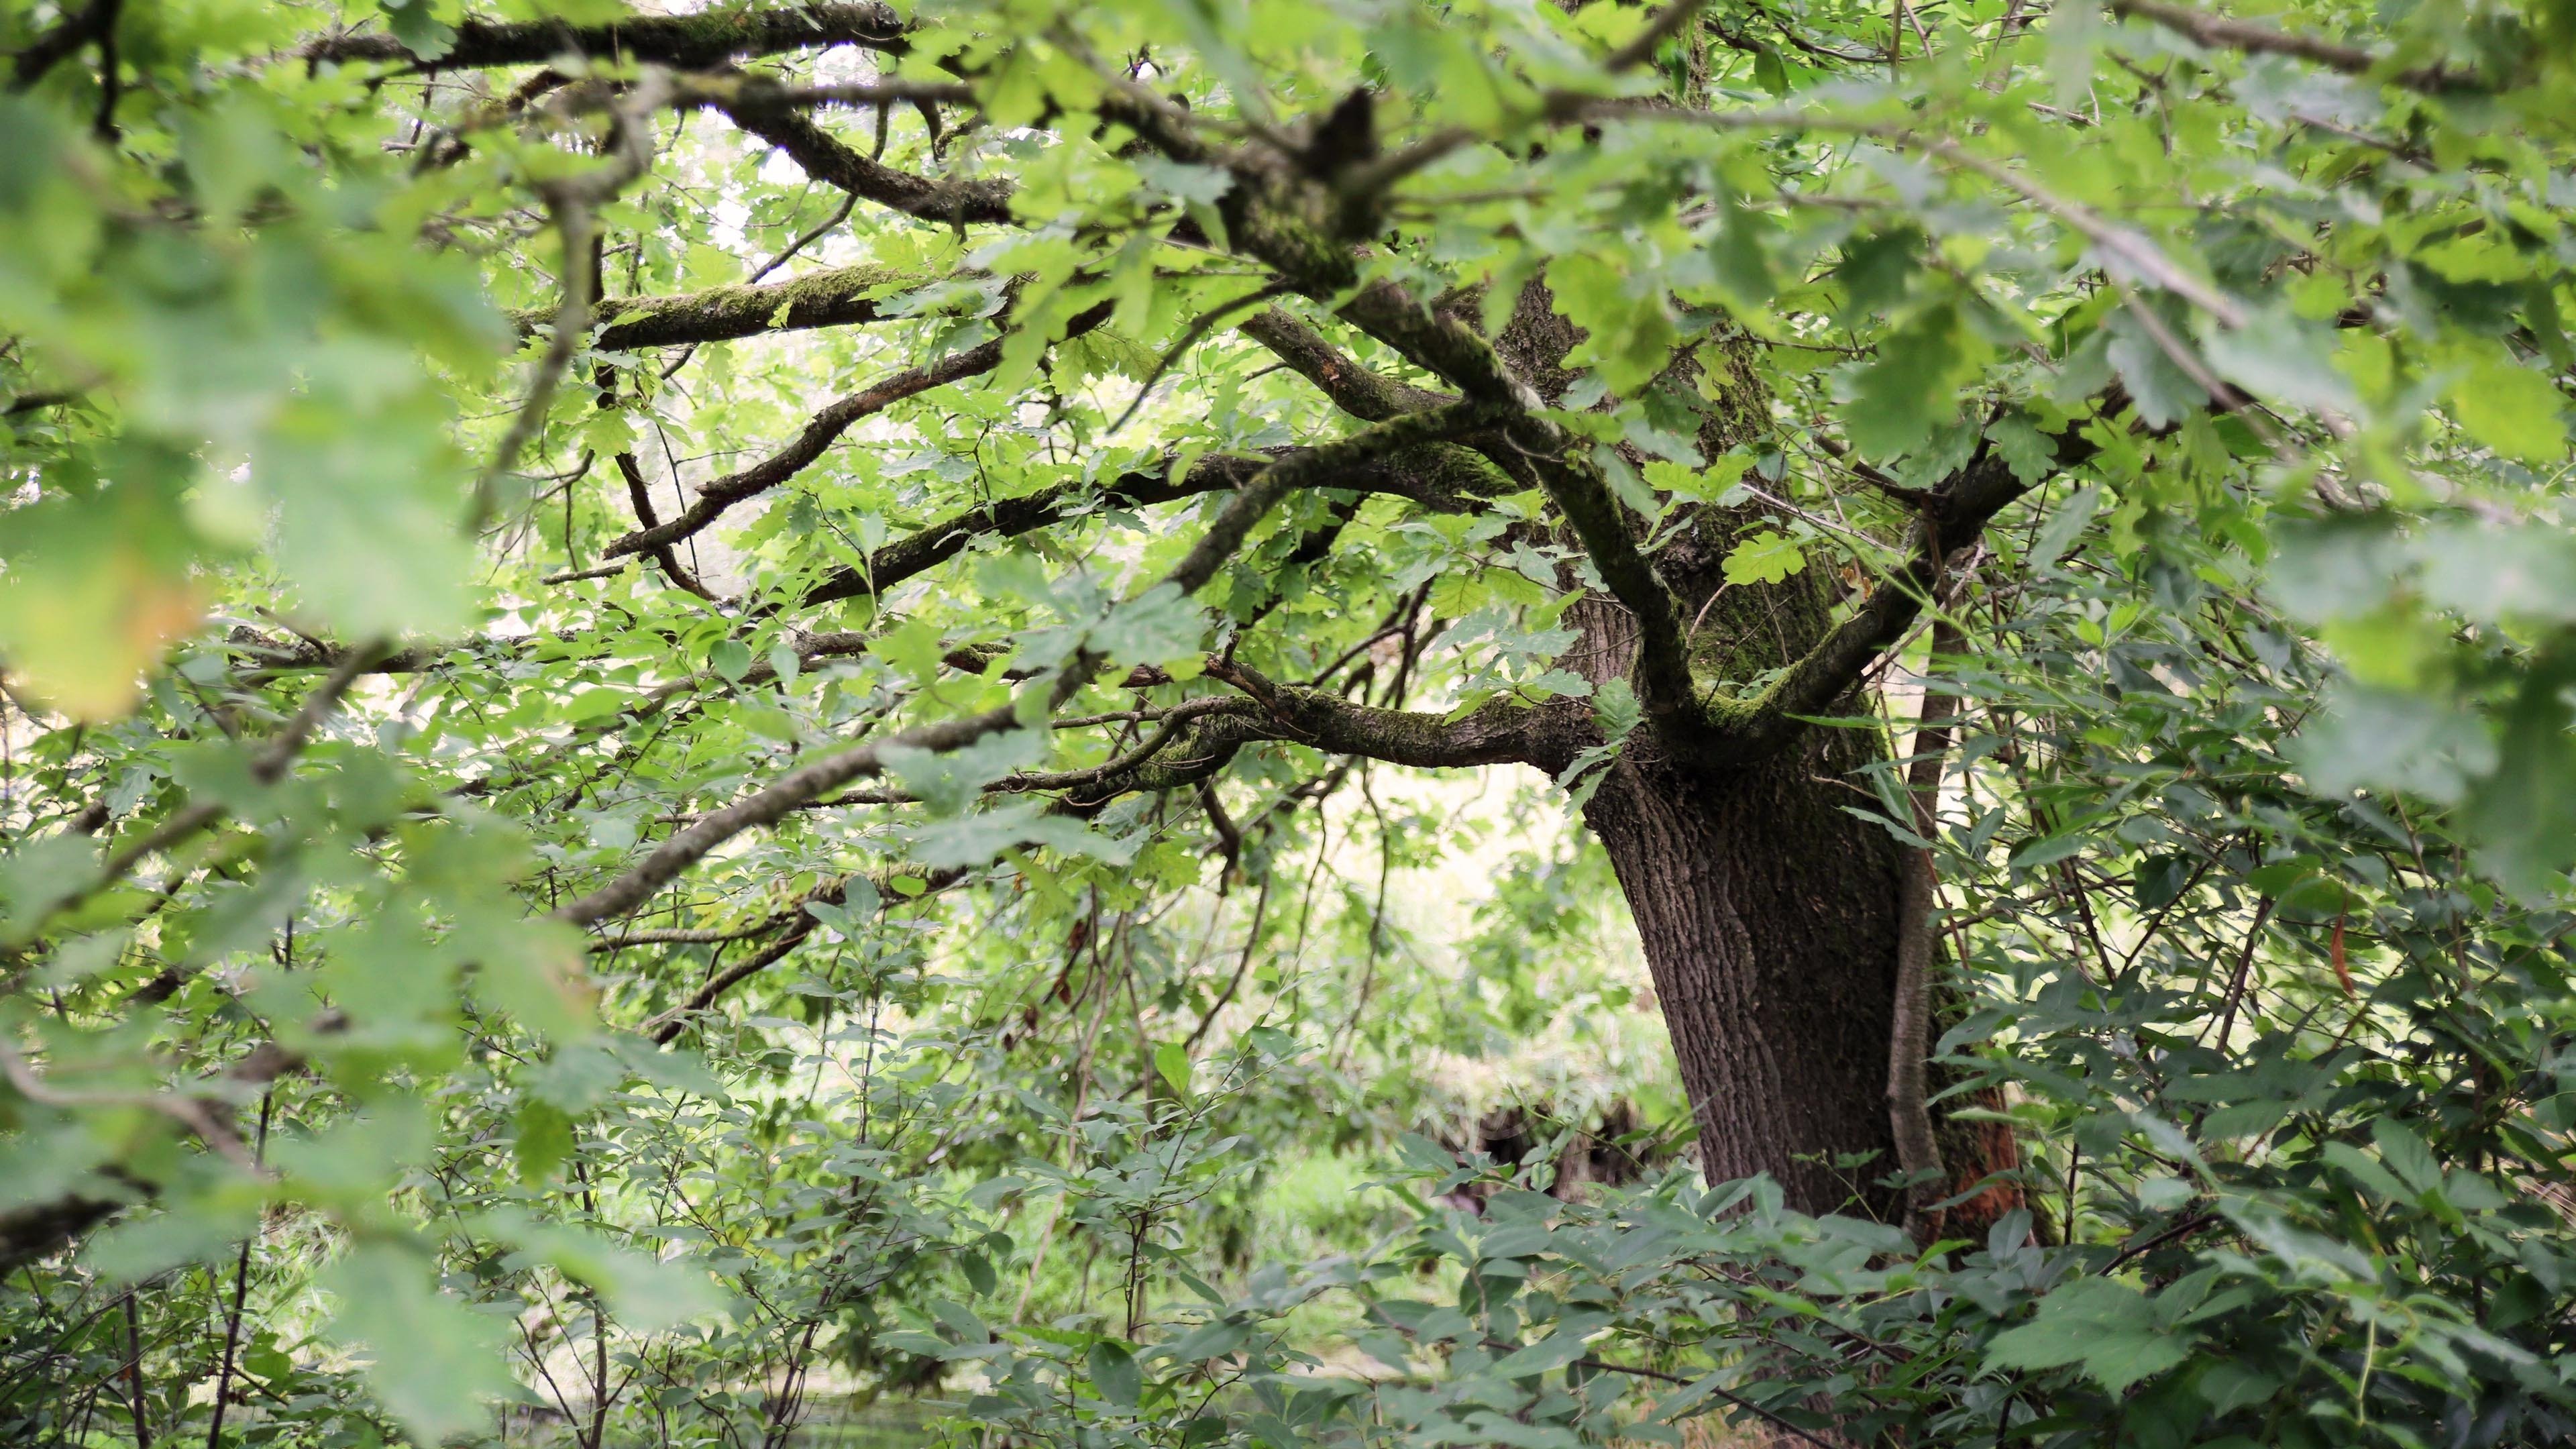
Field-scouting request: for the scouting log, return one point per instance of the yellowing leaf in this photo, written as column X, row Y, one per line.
column 95, row 589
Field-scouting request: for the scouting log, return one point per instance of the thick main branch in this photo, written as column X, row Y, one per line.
column 840, row 297
column 691, row 42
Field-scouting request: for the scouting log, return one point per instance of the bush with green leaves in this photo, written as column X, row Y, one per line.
column 714, row 712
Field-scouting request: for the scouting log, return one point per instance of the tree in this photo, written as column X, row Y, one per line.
column 1144, row 415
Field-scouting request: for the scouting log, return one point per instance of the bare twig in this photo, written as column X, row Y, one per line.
column 1205, row 323
column 1738, row 1401
column 268, row 768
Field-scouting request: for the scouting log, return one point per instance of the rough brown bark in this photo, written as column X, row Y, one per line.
column 1909, row 1112
column 1769, row 918
column 1768, row 913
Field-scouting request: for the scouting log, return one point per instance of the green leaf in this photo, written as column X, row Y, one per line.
column 2106, row 1326
column 1172, row 1062
column 2163, row 393
column 2031, row 855
column 40, row 875
column 1628, row 328
column 1554, row 1352
column 2280, row 358
column 730, row 658
column 2494, row 574
column 545, row 1140
column 1114, row 1372
column 2515, row 410
column 1158, row 626
column 143, row 1247
column 2063, row 525
column 350, row 471
column 433, row 1363
column 94, row 588
column 647, row 1294
column 417, row 26
column 1765, row 558
column 1912, row 385
column 1768, row 71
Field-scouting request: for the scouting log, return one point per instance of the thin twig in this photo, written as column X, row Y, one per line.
column 573, row 202
column 1740, row 1402
column 1198, row 329
column 2219, row 32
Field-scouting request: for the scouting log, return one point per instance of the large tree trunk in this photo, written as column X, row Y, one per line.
column 1768, row 912
column 1769, row 917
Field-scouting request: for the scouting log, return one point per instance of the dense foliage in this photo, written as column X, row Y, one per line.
column 712, row 715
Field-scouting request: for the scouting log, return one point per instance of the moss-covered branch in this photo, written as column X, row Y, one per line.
column 1360, row 391
column 840, row 297
column 827, row 159
column 692, row 42
column 1965, row 503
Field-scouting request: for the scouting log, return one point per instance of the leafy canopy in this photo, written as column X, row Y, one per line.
column 711, row 707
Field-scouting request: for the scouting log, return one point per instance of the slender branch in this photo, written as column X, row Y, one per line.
column 1224, row 534
column 1909, row 1111
column 774, row 802
column 639, row 494
column 1967, row 501
column 188, row 1112
column 1427, row 475
column 134, row 1376
column 1251, row 942
column 689, row 936
column 1738, row 1401
column 2130, row 246
column 811, row 235
column 666, row 1028
column 1199, row 327
column 241, row 1280
column 573, row 201
column 821, row 431
column 1664, row 26
column 2226, row 1023
column 1174, row 721
column 755, row 90
column 2152, row 1241
column 268, row 767
column 92, row 22
column 1321, row 466
column 824, row 157
column 2218, row 32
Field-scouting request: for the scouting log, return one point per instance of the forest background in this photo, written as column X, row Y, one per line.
column 1199, row 723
